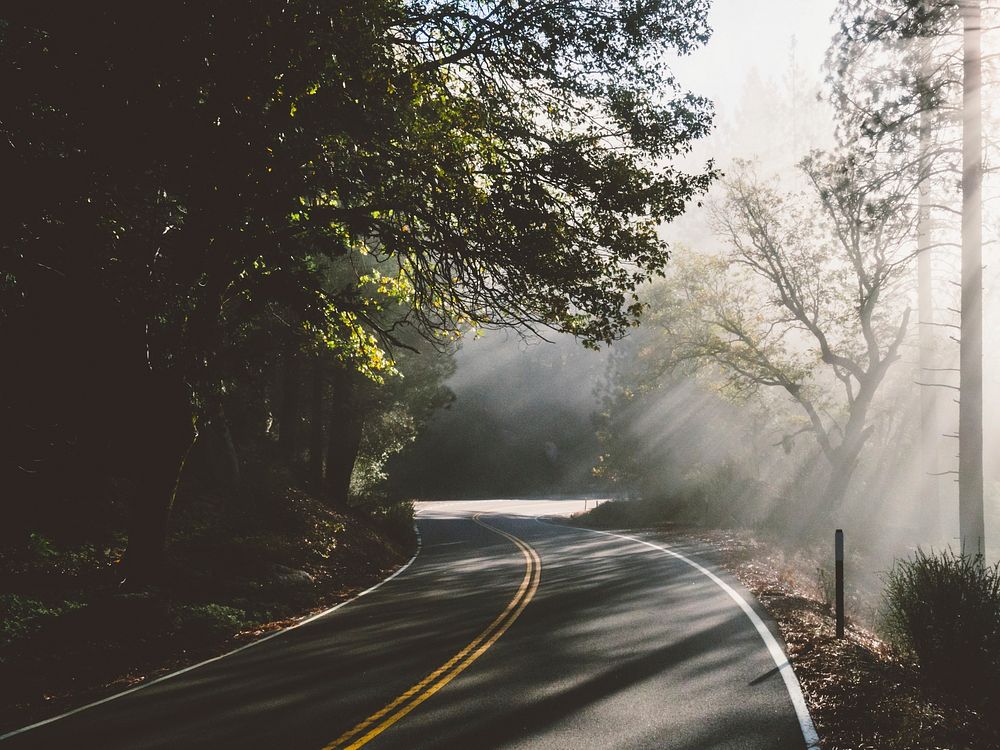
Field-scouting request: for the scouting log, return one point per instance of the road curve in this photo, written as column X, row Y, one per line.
column 504, row 632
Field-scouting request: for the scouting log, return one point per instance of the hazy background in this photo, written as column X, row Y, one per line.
column 523, row 417
column 521, row 422
column 525, row 412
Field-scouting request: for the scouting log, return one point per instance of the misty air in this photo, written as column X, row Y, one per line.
column 500, row 374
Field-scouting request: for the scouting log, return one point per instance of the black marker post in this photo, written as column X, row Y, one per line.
column 839, row 556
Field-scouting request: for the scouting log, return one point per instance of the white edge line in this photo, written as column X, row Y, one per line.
column 781, row 661
column 244, row 647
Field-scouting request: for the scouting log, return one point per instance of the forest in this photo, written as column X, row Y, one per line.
column 271, row 273
column 835, row 296
column 240, row 244
column 246, row 223
column 802, row 361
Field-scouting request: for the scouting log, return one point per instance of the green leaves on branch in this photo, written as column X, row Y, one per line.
column 497, row 164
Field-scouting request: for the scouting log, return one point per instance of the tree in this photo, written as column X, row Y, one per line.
column 972, row 527
column 393, row 415
column 892, row 78
column 800, row 302
column 930, row 83
column 182, row 168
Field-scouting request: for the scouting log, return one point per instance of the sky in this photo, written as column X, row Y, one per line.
column 756, row 34
column 745, row 70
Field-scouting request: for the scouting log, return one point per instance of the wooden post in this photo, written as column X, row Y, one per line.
column 839, row 557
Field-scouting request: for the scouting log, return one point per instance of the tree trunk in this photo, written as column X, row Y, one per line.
column 163, row 415
column 232, row 456
column 316, row 424
column 219, row 449
column 970, row 414
column 930, row 423
column 288, row 419
column 844, row 458
column 346, row 428
column 842, row 466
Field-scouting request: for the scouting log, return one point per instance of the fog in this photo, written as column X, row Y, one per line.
column 532, row 417
column 521, row 423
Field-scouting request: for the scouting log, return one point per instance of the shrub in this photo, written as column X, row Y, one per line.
column 617, row 514
column 399, row 518
column 19, row 615
column 944, row 610
column 208, row 621
column 826, row 583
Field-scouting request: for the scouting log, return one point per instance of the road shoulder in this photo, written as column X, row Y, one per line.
column 860, row 695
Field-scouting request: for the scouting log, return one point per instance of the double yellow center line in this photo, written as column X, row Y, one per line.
column 392, row 712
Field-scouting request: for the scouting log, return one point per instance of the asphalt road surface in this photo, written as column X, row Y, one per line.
column 505, row 631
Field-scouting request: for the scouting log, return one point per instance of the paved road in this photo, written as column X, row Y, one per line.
column 504, row 632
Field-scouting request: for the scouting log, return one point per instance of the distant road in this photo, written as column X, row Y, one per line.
column 504, row 632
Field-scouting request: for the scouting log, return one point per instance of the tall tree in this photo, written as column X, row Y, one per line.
column 916, row 105
column 929, row 358
column 972, row 528
column 891, row 83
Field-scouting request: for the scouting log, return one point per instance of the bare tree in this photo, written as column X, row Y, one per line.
column 802, row 301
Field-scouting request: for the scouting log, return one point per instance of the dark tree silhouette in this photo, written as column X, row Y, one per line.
column 185, row 171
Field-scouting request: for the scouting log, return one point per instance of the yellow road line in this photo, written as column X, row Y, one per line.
column 432, row 683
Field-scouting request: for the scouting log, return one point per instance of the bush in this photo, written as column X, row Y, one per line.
column 19, row 616
column 826, row 584
column 399, row 518
column 619, row 514
column 208, row 621
column 944, row 610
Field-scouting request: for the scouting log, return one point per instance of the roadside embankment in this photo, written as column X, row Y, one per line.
column 71, row 633
column 862, row 694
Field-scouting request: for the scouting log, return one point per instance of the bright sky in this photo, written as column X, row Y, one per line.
column 748, row 36
column 756, row 33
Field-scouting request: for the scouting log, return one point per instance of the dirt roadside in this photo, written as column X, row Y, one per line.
column 861, row 695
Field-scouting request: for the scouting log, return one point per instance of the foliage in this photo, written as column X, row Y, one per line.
column 200, row 622
column 298, row 132
column 826, row 585
column 200, row 199
column 557, row 116
column 19, row 615
column 520, row 423
column 398, row 518
column 389, row 432
column 944, row 609
column 801, row 302
column 889, row 72
column 620, row 514
column 396, row 412
column 41, row 558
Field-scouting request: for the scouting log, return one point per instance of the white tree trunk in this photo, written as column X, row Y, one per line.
column 971, row 522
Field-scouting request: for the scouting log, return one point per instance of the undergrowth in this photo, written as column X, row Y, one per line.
column 943, row 609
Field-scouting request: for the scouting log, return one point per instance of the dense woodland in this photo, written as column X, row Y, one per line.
column 249, row 244
column 250, row 235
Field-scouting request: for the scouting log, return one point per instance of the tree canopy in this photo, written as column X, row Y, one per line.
column 206, row 180
column 498, row 155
